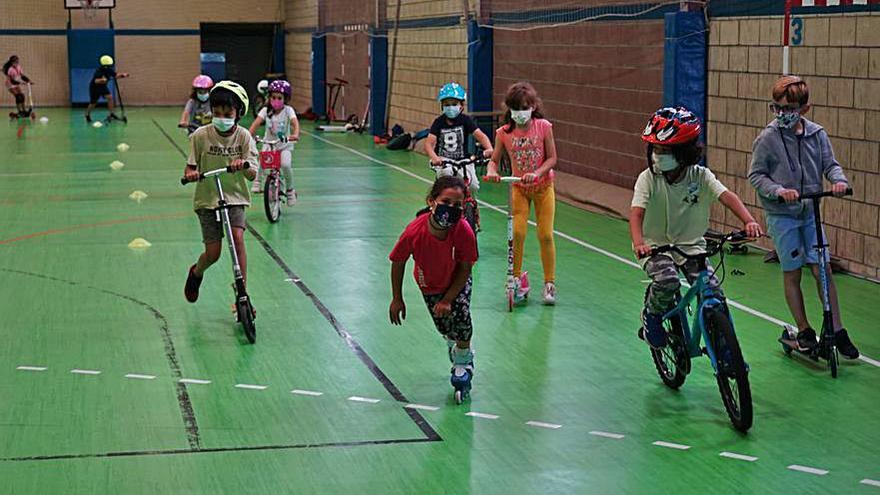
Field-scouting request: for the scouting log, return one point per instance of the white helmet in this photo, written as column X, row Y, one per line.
column 263, row 87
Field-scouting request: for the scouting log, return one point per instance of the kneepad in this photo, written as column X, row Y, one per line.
column 19, row 98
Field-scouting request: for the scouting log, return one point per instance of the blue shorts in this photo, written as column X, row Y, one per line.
column 795, row 239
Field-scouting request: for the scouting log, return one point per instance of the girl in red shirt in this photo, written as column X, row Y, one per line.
column 444, row 249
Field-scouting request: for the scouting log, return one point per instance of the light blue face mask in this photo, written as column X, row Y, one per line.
column 452, row 111
column 665, row 163
column 222, row 124
column 202, row 96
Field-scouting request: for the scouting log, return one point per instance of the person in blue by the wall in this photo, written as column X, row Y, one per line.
column 99, row 86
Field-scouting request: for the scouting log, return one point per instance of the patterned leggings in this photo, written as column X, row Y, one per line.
column 457, row 324
column 665, row 283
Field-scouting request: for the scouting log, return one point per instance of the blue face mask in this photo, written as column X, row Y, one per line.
column 787, row 120
column 452, row 111
column 222, row 124
column 446, row 216
column 202, row 96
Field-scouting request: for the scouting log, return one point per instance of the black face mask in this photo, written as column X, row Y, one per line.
column 446, row 216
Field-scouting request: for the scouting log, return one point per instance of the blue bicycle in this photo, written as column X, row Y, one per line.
column 715, row 325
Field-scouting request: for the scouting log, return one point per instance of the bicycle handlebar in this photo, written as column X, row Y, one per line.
column 735, row 236
column 210, row 173
column 823, row 194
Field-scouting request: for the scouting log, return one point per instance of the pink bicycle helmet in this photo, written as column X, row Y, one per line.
column 280, row 86
column 203, row 82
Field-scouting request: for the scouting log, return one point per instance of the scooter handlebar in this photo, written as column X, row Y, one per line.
column 823, row 194
column 496, row 178
column 210, row 173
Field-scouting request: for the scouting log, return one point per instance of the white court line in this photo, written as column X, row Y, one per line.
column 85, row 372
column 741, row 457
column 140, row 377
column 31, row 368
column 194, row 381
column 807, row 469
column 670, row 445
column 309, row 393
column 605, row 434
column 869, row 482
column 355, row 398
column 294, row 280
column 250, row 387
column 540, row 424
column 421, row 406
column 562, row 235
column 481, row 415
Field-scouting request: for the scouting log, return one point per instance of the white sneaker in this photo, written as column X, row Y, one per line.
column 257, row 187
column 550, row 293
column 291, row 197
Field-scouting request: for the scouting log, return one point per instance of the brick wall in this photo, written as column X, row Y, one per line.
column 599, row 82
column 840, row 60
column 162, row 66
column 300, row 16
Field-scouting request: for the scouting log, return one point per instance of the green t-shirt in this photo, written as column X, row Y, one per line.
column 210, row 151
column 677, row 213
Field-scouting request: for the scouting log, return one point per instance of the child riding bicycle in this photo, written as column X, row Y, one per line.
column 671, row 205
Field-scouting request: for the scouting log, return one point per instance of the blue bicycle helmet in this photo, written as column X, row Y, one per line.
column 452, row 90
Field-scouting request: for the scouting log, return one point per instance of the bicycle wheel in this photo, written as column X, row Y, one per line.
column 471, row 215
column 672, row 362
column 732, row 375
column 272, row 198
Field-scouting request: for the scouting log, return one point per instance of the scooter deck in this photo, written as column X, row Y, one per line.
column 794, row 346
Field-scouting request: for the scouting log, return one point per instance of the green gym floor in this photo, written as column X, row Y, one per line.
column 112, row 383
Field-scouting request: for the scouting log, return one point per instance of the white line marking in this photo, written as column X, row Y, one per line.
column 605, row 434
column 807, row 469
column 422, row 407
column 869, row 482
column 741, row 457
column 481, row 415
column 355, row 398
column 294, row 280
column 250, row 387
column 670, row 445
column 85, row 372
column 310, row 393
column 540, row 424
column 140, row 377
column 194, row 381
column 31, row 368
column 562, row 235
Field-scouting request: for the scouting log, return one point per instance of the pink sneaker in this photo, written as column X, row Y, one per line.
column 523, row 286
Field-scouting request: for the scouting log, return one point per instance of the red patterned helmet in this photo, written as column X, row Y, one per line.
column 671, row 126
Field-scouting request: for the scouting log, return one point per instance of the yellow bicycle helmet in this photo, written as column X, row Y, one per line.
column 106, row 60
column 239, row 96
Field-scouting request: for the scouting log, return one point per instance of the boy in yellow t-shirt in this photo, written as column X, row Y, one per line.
column 223, row 144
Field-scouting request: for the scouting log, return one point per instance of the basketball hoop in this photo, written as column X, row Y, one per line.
column 89, row 8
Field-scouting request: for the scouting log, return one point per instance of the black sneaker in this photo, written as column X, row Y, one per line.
column 844, row 345
column 806, row 339
column 191, row 289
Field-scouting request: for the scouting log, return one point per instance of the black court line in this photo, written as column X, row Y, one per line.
column 183, row 400
column 170, row 139
column 353, row 344
column 138, row 453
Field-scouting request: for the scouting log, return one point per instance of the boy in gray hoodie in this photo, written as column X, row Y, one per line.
column 789, row 158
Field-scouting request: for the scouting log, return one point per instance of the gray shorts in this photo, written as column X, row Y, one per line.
column 212, row 229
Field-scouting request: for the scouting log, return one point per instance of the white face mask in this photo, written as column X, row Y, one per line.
column 665, row 163
column 521, row 116
column 452, row 111
column 222, row 124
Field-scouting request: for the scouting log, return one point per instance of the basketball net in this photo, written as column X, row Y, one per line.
column 89, row 8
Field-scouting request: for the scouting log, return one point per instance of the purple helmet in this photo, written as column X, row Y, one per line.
column 280, row 86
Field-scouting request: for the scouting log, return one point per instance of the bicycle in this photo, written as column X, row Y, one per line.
column 466, row 170
column 244, row 310
column 826, row 349
column 274, row 185
column 716, row 330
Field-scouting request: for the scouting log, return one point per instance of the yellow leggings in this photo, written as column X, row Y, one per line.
column 545, row 212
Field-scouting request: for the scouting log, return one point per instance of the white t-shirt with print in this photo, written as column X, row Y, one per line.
column 677, row 213
column 278, row 122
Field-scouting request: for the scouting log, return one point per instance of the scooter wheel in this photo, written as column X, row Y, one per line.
column 510, row 301
column 459, row 397
column 786, row 349
column 246, row 317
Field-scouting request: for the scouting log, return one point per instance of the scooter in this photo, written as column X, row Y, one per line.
column 825, row 349
column 244, row 310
